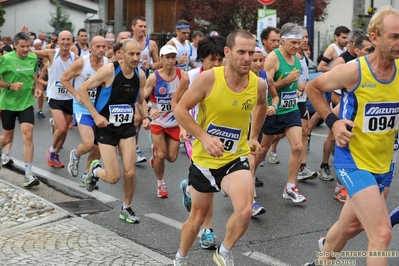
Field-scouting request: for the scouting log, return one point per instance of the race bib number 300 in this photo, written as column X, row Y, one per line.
column 227, row 135
column 288, row 99
column 120, row 114
column 380, row 117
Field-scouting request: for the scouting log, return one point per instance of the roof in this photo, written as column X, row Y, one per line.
column 81, row 5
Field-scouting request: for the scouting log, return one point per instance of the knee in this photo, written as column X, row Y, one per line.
column 27, row 135
column 130, row 175
column 89, row 145
column 297, row 148
column 113, row 178
column 160, row 154
column 172, row 158
column 244, row 215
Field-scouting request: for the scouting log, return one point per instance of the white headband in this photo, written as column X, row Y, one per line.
column 110, row 39
column 292, row 36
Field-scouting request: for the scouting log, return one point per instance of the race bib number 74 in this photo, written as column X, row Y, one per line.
column 380, row 117
column 227, row 135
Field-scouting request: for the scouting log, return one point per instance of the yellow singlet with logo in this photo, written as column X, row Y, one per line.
column 374, row 107
column 225, row 114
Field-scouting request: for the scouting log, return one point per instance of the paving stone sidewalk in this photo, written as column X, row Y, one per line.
column 34, row 231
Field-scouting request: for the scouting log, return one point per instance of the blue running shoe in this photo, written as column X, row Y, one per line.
column 186, row 200
column 207, row 240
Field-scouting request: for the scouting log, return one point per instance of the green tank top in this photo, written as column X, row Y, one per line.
column 288, row 98
column 16, row 69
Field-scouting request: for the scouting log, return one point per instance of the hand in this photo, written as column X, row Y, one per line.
column 341, row 133
column 146, row 124
column 38, row 93
column 184, row 135
column 254, row 146
column 138, row 119
column 146, row 65
column 213, row 146
column 100, row 121
column 293, row 76
column 17, row 86
column 154, row 114
column 271, row 110
column 24, row 29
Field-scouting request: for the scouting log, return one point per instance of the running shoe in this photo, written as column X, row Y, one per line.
column 257, row 209
column 223, row 259
column 57, row 162
column 320, row 243
column 262, row 163
column 306, row 174
column 325, row 173
column 50, row 158
column 51, row 121
column 91, row 179
column 273, row 157
column 186, row 199
column 207, row 240
column 293, row 195
column 31, row 180
column 6, row 160
column 129, row 216
column 140, row 158
column 258, row 182
column 162, row 191
column 73, row 165
column 341, row 195
column 40, row 115
column 180, row 262
column 82, row 182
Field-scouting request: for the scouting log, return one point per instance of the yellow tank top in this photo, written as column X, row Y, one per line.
column 225, row 114
column 374, row 107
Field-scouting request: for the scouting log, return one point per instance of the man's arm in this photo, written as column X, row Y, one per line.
column 46, row 53
column 38, row 92
column 72, row 71
column 341, row 76
column 74, row 49
column 141, row 103
column 329, row 55
column 183, row 87
column 339, row 61
column 154, row 55
column 104, row 77
column 259, row 112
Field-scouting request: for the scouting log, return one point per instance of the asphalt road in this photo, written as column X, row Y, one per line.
column 286, row 235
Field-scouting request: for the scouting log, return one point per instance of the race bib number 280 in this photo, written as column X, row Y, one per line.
column 227, row 135
column 380, row 117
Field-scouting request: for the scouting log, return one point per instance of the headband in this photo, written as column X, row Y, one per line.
column 292, row 36
column 110, row 39
column 183, row 27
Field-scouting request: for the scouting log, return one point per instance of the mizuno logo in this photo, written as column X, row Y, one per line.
column 382, row 111
column 220, row 133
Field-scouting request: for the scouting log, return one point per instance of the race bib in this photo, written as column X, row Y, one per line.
column 92, row 94
column 227, row 135
column 120, row 114
column 380, row 117
column 288, row 99
column 164, row 104
column 59, row 88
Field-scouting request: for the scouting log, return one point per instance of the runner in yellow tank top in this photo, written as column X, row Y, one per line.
column 364, row 135
column 227, row 96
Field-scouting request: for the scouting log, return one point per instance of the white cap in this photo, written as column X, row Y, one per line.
column 167, row 49
column 36, row 41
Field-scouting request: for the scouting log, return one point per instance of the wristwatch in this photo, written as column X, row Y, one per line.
column 8, row 86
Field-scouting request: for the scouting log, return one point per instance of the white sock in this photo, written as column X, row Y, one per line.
column 290, row 186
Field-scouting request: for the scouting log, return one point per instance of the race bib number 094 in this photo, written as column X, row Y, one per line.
column 380, row 117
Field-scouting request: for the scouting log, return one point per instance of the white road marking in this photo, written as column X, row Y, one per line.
column 167, row 220
column 267, row 260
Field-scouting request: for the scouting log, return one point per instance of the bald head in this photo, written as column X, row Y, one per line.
column 65, row 34
column 98, row 46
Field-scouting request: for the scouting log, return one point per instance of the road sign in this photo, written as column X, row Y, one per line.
column 266, row 2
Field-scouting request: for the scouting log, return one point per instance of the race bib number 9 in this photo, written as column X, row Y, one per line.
column 164, row 104
column 59, row 88
column 227, row 135
column 380, row 117
column 288, row 99
column 120, row 114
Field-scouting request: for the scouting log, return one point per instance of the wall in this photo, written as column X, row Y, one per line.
column 36, row 15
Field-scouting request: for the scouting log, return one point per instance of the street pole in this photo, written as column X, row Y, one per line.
column 309, row 12
column 118, row 16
